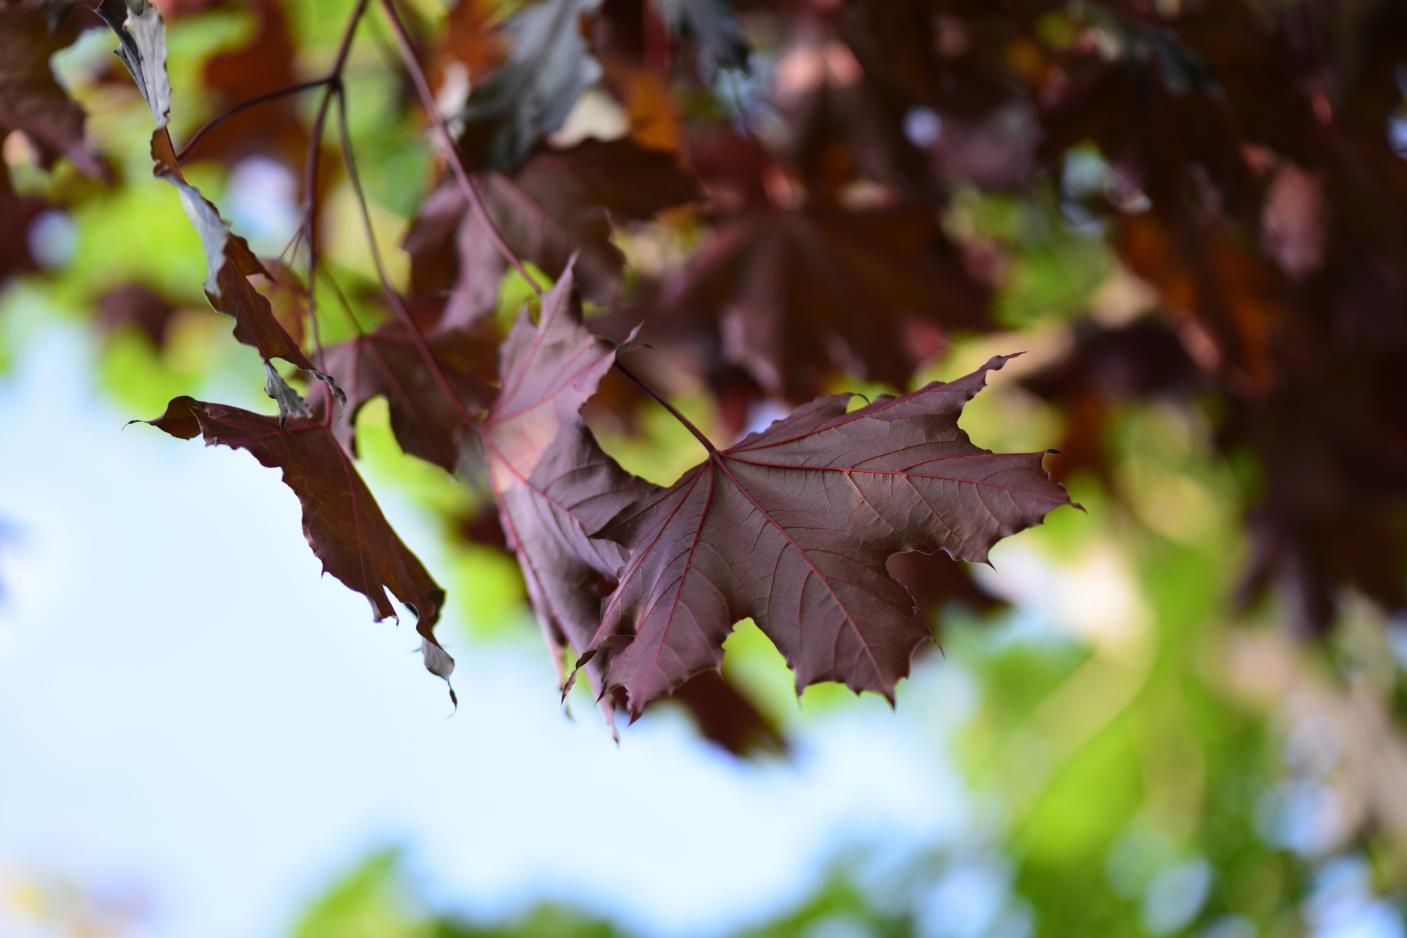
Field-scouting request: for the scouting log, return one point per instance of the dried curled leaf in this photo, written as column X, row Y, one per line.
column 229, row 261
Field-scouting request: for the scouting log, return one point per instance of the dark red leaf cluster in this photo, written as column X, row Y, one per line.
column 795, row 169
column 1258, row 180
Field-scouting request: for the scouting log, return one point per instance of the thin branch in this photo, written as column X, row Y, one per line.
column 467, row 185
column 470, row 190
column 333, row 85
column 390, row 53
column 243, row 106
column 393, row 297
column 346, row 305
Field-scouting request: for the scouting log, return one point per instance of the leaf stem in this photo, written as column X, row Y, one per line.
column 467, row 185
column 242, row 106
column 664, row 402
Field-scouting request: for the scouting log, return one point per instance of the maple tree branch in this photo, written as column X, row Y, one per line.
column 243, row 106
column 660, row 399
column 467, row 185
column 394, row 298
column 470, row 190
column 346, row 305
column 333, row 85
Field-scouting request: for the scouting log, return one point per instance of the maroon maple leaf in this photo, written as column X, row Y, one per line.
column 341, row 520
column 558, row 204
column 426, row 420
column 792, row 527
column 800, row 294
column 553, row 482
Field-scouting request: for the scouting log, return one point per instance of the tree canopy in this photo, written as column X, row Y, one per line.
column 681, row 303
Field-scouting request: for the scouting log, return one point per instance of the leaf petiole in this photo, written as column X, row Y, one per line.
column 663, row 402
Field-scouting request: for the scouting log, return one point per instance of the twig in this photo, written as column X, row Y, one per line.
column 346, row 305
column 333, row 85
column 394, row 298
column 663, row 402
column 471, row 192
